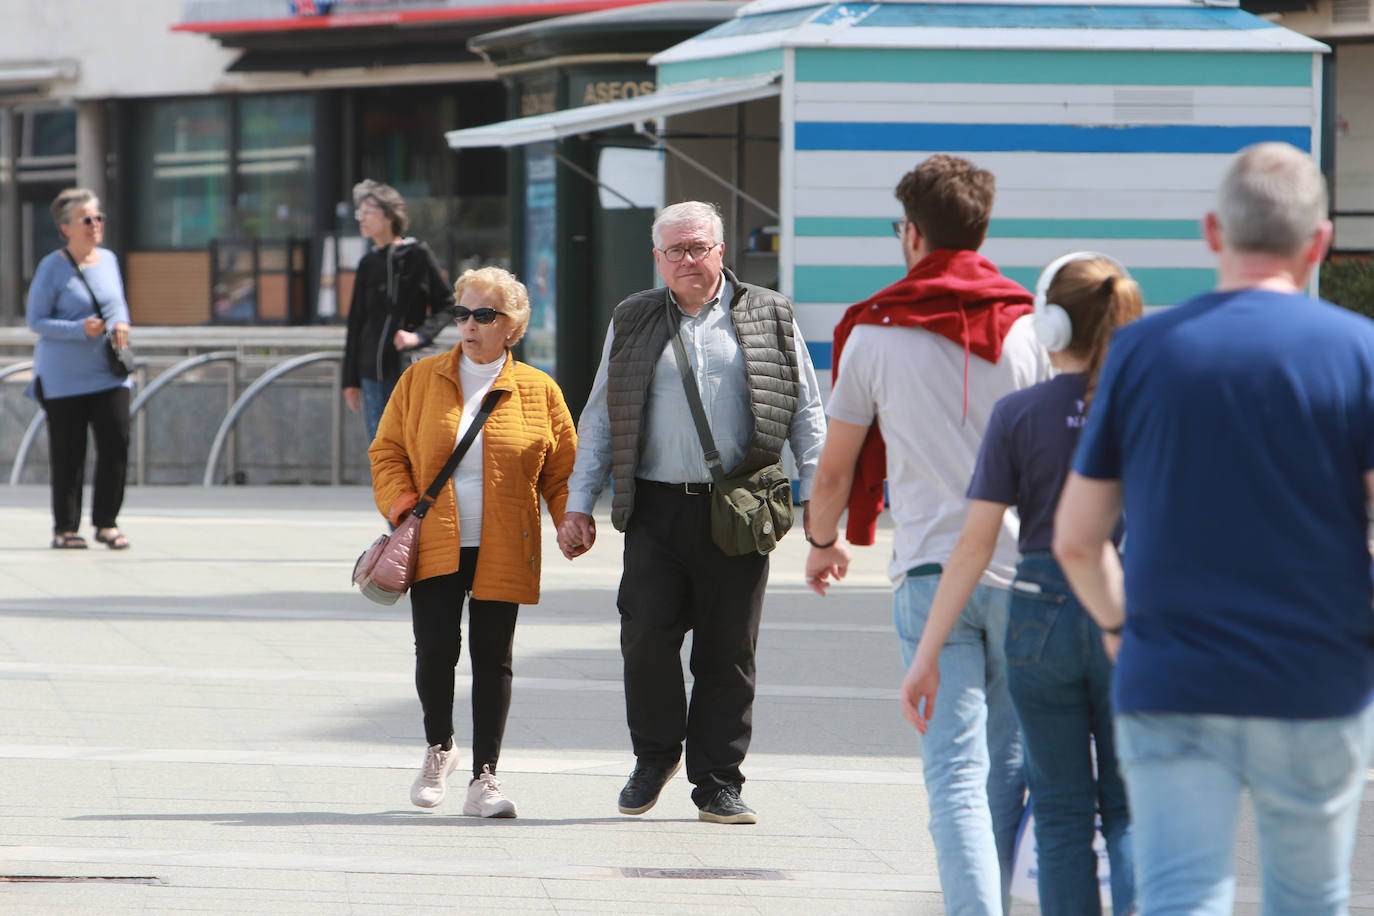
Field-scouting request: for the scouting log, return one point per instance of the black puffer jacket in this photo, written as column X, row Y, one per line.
column 398, row 287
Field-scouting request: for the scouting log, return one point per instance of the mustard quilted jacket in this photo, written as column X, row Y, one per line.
column 529, row 443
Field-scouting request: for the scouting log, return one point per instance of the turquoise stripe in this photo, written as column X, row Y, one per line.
column 1078, row 68
column 854, row 227
column 751, row 64
column 1160, row 285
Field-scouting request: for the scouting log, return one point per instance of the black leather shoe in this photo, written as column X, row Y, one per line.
column 725, row 807
column 641, row 792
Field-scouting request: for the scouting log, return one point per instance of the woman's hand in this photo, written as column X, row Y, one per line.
column 353, row 397
column 121, row 334
column 94, row 326
column 406, row 340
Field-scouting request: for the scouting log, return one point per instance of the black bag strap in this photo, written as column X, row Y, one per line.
column 99, row 309
column 689, row 386
column 488, row 405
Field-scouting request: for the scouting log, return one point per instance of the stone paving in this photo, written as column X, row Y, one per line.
column 212, row 722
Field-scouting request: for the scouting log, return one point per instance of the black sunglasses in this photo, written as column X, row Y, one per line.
column 481, row 316
column 92, row 220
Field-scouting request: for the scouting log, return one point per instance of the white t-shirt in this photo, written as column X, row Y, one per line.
column 912, row 381
column 467, row 477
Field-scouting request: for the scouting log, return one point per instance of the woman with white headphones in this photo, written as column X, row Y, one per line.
column 1058, row 671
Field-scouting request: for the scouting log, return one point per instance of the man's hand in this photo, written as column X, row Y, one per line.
column 94, row 326
column 576, row 534
column 406, row 340
column 920, row 684
column 353, row 397
column 822, row 563
column 1112, row 644
column 121, row 334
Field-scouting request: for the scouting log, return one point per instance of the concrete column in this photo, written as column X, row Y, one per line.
column 90, row 147
column 11, row 283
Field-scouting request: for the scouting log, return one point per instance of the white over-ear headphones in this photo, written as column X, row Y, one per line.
column 1053, row 328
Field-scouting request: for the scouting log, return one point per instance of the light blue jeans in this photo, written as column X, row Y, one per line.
column 972, row 751
column 1184, row 776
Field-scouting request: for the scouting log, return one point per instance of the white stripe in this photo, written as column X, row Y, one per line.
column 880, row 171
column 865, row 252
column 1050, row 112
column 1018, row 204
column 1258, row 97
column 818, row 320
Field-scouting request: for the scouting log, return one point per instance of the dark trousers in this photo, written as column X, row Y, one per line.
column 677, row 580
column 106, row 413
column 436, row 611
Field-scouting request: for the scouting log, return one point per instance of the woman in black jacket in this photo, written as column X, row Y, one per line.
column 401, row 302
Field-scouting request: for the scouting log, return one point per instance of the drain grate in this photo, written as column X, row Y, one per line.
column 79, row 879
column 715, row 874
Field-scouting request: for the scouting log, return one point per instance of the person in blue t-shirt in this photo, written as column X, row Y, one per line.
column 1057, row 669
column 1237, row 432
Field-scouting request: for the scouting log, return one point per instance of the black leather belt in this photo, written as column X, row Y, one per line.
column 689, row 489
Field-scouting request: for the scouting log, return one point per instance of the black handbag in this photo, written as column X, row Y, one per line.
column 749, row 512
column 121, row 359
column 386, row 569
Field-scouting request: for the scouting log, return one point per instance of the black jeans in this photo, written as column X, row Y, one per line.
column 677, row 580
column 106, row 413
column 436, row 612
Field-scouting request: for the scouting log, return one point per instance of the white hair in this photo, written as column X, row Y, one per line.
column 689, row 213
column 1272, row 200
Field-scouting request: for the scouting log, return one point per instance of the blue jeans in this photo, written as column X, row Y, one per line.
column 1185, row 774
column 972, row 751
column 375, row 396
column 1060, row 681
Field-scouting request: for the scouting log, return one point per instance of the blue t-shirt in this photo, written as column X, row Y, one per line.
column 1026, row 452
column 1240, row 425
column 66, row 361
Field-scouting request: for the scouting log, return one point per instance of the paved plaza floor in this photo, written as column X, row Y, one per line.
column 213, row 722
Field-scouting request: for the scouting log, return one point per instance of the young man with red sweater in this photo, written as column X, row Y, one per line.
column 917, row 370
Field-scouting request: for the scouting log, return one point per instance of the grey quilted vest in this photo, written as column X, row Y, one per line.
column 763, row 324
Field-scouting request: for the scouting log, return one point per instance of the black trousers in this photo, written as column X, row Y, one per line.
column 106, row 413
column 436, row 612
column 677, row 580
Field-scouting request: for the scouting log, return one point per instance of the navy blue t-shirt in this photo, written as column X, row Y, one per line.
column 1026, row 452
column 1240, row 425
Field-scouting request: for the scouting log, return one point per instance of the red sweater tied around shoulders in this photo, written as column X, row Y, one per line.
column 959, row 295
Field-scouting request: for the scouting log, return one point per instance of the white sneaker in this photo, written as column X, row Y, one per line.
column 485, row 798
column 431, row 785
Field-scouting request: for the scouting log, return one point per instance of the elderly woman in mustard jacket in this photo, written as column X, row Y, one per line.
column 480, row 539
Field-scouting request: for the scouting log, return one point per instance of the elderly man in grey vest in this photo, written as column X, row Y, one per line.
column 759, row 391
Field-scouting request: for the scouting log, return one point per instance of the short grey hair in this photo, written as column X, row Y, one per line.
column 67, row 201
column 689, row 213
column 1272, row 200
column 387, row 199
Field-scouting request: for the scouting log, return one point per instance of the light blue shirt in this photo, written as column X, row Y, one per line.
column 670, row 450
column 65, row 360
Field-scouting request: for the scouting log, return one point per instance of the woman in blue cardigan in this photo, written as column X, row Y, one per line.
column 72, row 375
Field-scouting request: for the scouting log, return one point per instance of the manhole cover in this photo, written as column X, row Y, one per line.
column 78, row 879
column 715, row 874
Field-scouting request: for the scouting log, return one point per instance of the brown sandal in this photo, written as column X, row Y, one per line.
column 68, row 540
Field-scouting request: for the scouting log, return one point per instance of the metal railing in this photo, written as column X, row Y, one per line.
column 153, row 350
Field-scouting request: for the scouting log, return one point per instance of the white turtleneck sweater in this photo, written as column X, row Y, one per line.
column 467, row 478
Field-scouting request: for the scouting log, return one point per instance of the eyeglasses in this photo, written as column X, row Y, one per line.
column 93, row 219
column 361, row 212
column 481, row 316
column 677, row 253
column 899, row 227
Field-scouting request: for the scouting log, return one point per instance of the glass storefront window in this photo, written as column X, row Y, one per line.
column 275, row 167
column 182, row 173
